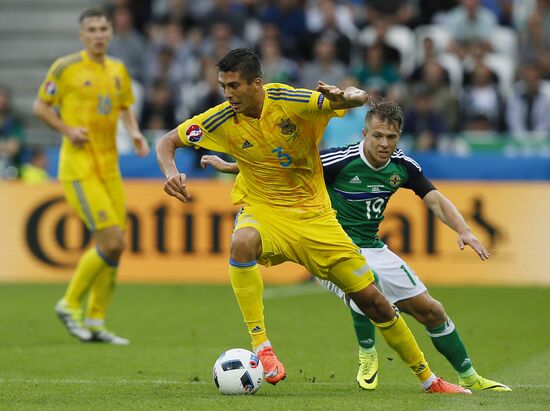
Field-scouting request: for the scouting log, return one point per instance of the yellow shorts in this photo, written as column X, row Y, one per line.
column 99, row 203
column 313, row 239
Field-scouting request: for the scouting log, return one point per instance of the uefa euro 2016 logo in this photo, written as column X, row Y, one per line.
column 194, row 133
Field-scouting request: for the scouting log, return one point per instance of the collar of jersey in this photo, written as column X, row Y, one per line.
column 364, row 158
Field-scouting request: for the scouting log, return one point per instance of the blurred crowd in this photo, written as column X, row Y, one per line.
column 455, row 66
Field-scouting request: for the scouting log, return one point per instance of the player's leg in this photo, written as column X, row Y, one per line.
column 367, row 374
column 351, row 279
column 110, row 207
column 81, row 196
column 247, row 284
column 446, row 340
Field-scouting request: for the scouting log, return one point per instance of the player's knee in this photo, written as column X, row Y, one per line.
column 371, row 301
column 432, row 315
column 245, row 245
column 113, row 247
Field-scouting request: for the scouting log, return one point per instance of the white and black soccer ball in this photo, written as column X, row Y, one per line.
column 238, row 371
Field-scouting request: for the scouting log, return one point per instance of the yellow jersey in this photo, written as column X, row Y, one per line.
column 277, row 154
column 90, row 95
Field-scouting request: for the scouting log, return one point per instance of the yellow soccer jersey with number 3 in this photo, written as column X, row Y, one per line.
column 277, row 154
column 88, row 95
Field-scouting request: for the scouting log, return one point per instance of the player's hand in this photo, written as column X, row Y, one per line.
column 176, row 186
column 77, row 135
column 219, row 164
column 468, row 238
column 141, row 146
column 331, row 93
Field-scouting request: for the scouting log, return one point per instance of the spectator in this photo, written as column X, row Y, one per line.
column 324, row 66
column 11, row 137
column 220, row 41
column 127, row 44
column 35, row 171
column 159, row 108
column 376, row 73
column 230, row 12
column 535, row 37
column 289, row 16
column 433, row 75
column 470, row 24
column 327, row 18
column 391, row 11
column 529, row 105
column 277, row 68
column 425, row 125
column 482, row 100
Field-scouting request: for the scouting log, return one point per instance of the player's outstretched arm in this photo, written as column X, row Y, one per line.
column 176, row 182
column 446, row 211
column 342, row 99
column 141, row 146
column 219, row 164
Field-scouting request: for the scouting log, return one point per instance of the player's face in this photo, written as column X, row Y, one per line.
column 95, row 34
column 244, row 98
column 380, row 141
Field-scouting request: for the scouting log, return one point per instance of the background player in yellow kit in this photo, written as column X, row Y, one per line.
column 82, row 97
column 273, row 131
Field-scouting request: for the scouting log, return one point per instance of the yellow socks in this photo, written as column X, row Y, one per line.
column 399, row 337
column 89, row 266
column 100, row 293
column 248, row 287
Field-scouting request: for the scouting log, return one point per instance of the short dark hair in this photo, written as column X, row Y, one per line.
column 93, row 12
column 243, row 60
column 387, row 111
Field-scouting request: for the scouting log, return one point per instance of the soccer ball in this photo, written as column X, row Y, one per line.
column 238, row 372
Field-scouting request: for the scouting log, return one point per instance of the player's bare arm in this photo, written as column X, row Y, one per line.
column 342, row 99
column 446, row 211
column 219, row 164
column 141, row 146
column 176, row 182
column 45, row 112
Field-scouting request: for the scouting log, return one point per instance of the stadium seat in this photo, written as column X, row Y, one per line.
column 505, row 69
column 453, row 65
column 505, row 40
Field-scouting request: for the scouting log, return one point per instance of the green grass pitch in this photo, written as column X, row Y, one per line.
column 178, row 331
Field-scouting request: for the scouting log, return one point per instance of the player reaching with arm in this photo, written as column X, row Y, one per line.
column 273, row 131
column 82, row 97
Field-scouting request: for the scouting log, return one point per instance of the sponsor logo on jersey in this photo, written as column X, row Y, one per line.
column 117, row 83
column 102, row 216
column 395, row 180
column 87, row 83
column 320, row 101
column 355, row 180
column 194, row 133
column 288, row 128
column 50, row 88
column 247, row 144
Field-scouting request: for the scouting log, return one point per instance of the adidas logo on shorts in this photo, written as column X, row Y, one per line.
column 247, row 144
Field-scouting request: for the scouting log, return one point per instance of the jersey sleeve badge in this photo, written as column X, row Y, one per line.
column 194, row 133
column 50, row 88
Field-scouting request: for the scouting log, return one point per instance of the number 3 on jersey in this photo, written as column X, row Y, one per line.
column 280, row 155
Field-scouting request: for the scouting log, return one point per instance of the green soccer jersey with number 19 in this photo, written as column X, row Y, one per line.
column 359, row 192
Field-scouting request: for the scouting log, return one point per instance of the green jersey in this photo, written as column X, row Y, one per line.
column 359, row 192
